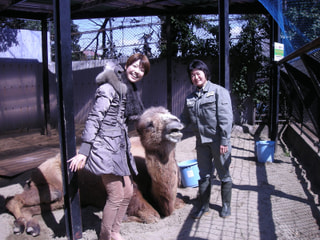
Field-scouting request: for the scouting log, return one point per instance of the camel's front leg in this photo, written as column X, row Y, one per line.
column 15, row 205
column 140, row 210
column 27, row 204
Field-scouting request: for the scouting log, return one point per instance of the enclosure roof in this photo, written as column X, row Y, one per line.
column 83, row 9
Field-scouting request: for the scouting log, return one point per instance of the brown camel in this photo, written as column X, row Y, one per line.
column 155, row 186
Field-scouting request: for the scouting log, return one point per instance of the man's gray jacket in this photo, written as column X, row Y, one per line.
column 209, row 113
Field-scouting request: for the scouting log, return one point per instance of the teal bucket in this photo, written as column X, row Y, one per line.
column 265, row 151
column 189, row 173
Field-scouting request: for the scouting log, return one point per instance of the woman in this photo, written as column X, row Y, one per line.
column 208, row 111
column 105, row 149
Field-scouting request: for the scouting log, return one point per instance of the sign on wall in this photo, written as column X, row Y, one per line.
column 278, row 51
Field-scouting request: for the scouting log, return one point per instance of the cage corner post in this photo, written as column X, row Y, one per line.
column 64, row 83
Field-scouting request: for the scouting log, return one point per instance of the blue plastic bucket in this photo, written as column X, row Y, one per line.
column 265, row 151
column 189, row 173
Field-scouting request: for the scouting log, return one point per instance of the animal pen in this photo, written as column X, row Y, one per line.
column 58, row 93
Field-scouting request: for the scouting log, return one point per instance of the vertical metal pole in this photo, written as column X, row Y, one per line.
column 66, row 116
column 169, row 63
column 271, row 47
column 45, row 76
column 274, row 84
column 224, row 68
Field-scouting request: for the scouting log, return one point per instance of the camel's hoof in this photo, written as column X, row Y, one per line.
column 33, row 229
column 19, row 226
column 179, row 203
column 151, row 219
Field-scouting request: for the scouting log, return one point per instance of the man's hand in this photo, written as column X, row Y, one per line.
column 223, row 149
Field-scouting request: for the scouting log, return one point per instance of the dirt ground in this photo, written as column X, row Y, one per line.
column 270, row 200
column 54, row 228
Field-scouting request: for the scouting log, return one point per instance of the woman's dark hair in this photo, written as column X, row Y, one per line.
column 144, row 61
column 199, row 65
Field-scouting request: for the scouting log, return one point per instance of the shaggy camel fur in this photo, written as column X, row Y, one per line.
column 155, row 186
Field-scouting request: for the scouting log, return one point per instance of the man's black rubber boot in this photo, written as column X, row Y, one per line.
column 226, row 188
column 204, row 210
column 204, row 197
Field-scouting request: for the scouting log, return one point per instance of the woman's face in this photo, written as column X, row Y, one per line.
column 198, row 78
column 135, row 72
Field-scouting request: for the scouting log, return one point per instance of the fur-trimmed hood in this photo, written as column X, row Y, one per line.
column 112, row 74
column 115, row 75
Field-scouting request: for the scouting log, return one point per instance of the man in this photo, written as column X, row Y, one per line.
column 208, row 111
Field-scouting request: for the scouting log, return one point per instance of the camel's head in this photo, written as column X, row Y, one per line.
column 157, row 126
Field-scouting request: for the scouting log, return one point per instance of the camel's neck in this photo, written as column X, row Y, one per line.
column 163, row 154
column 161, row 169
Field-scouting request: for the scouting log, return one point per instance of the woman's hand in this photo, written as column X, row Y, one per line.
column 77, row 162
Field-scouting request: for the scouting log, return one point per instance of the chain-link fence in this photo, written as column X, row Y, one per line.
column 119, row 37
column 123, row 36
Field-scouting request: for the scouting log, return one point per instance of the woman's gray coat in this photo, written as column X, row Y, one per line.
column 105, row 137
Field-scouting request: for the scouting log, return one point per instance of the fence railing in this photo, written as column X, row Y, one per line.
column 300, row 78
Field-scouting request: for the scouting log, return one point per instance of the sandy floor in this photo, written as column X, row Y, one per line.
column 55, row 228
column 269, row 201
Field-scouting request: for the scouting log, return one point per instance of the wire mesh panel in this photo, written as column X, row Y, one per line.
column 299, row 21
column 118, row 37
column 305, row 80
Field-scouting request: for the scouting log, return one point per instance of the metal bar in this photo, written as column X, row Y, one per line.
column 45, row 77
column 307, row 97
column 308, row 133
column 274, row 83
column 224, row 68
column 306, row 48
column 296, row 103
column 313, row 68
column 293, row 81
column 169, row 63
column 66, row 116
column 303, row 83
column 275, row 103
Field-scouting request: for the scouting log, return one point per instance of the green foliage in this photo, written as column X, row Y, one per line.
column 9, row 28
column 240, row 89
column 302, row 21
column 8, row 34
column 261, row 93
column 76, row 54
column 248, row 60
column 185, row 43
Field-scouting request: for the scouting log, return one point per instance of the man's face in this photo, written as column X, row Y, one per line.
column 198, row 78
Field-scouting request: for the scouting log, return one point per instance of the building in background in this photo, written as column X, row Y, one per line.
column 29, row 46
